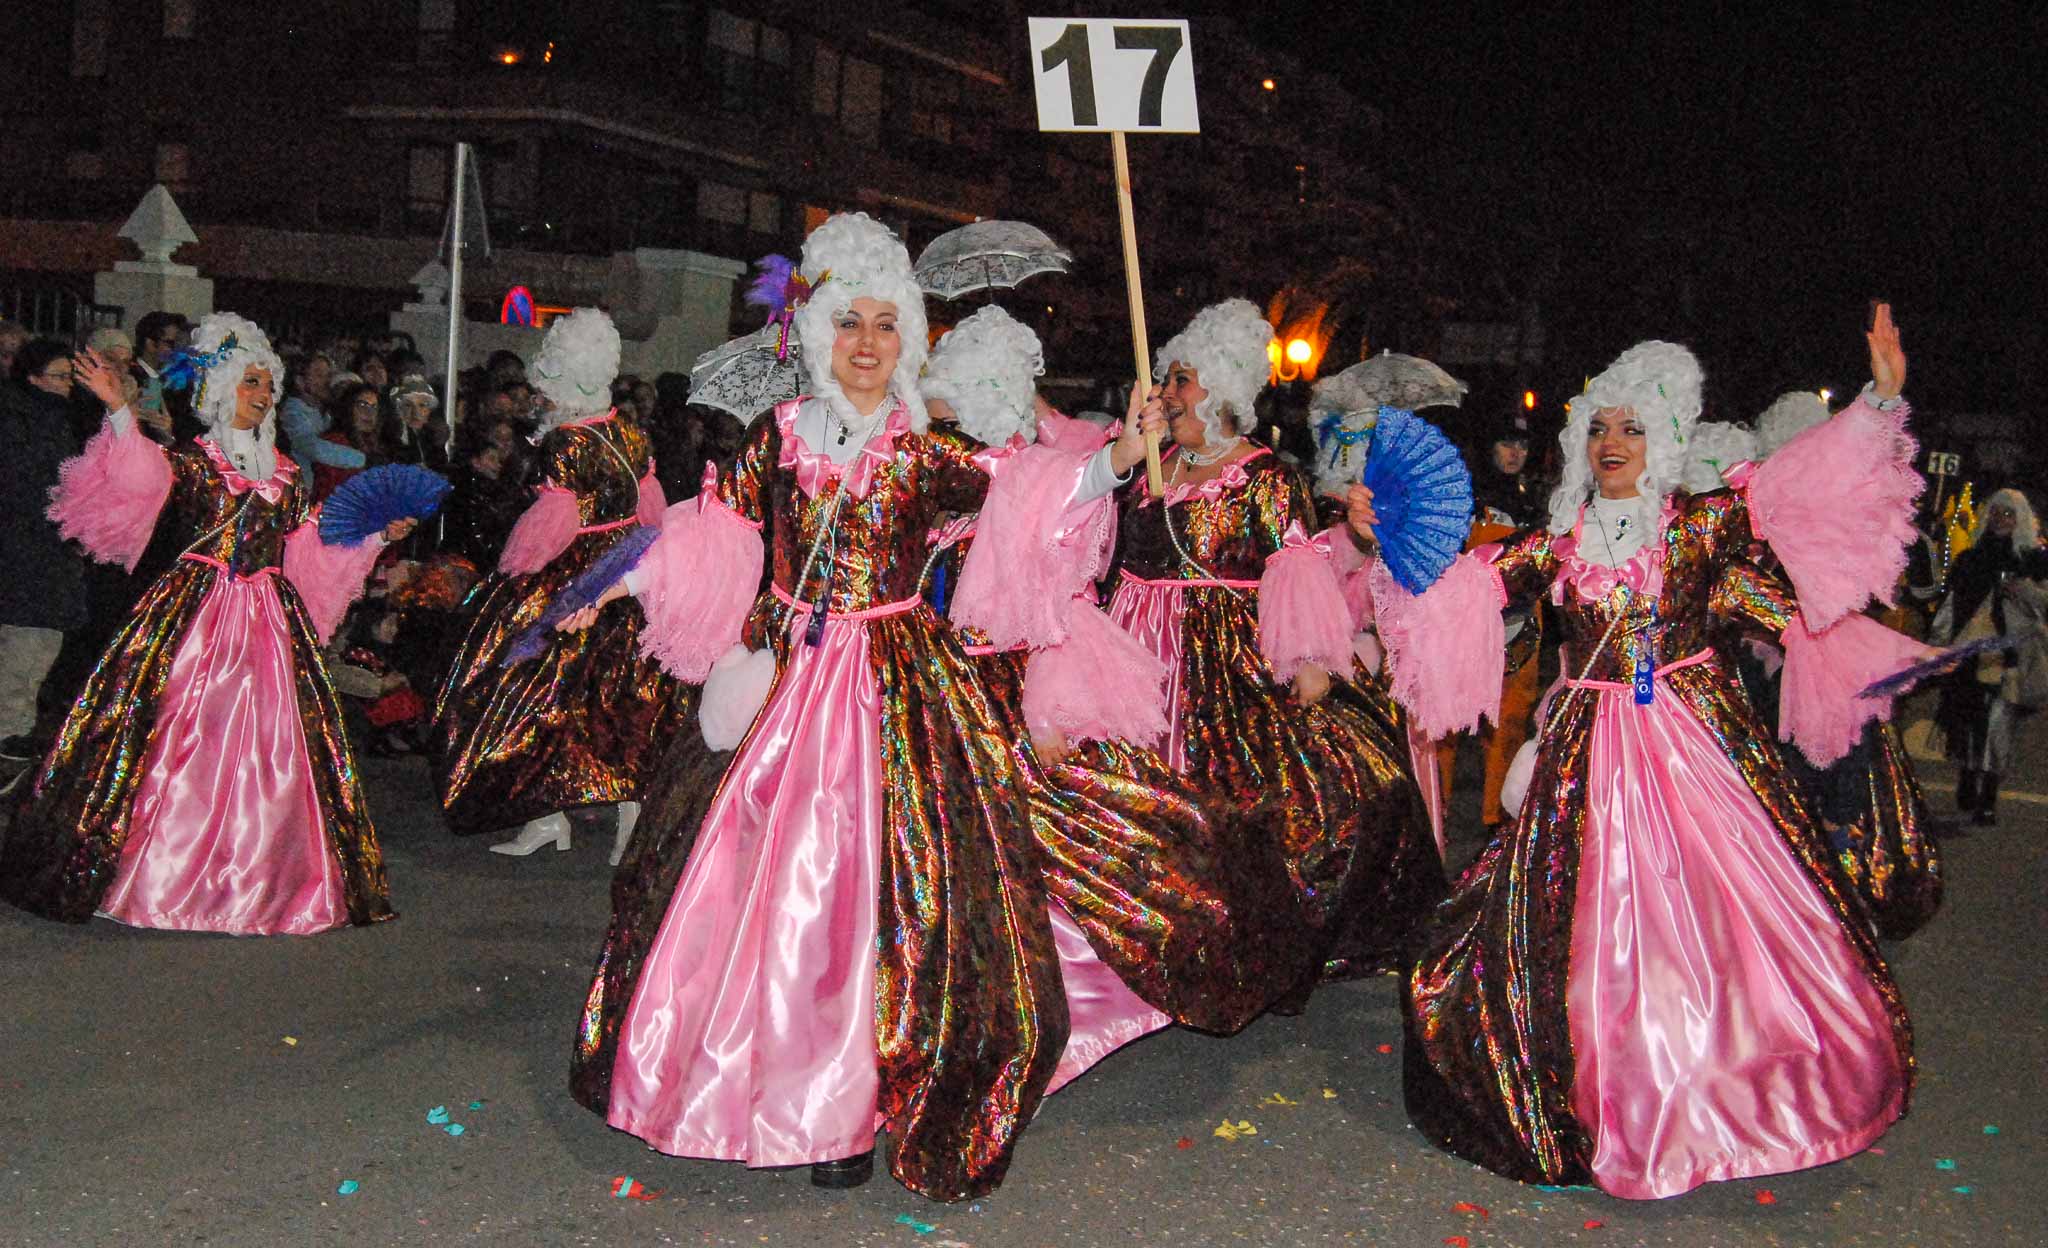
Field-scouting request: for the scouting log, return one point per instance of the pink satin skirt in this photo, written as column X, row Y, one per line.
column 226, row 832
column 1722, row 1026
column 1153, row 612
column 751, row 1036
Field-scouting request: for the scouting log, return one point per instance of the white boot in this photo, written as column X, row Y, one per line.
column 629, row 814
column 536, row 833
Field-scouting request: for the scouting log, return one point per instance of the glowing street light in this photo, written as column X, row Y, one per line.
column 1299, row 351
column 1529, row 400
column 1268, row 84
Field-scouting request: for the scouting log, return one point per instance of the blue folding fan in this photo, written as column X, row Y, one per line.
column 1934, row 665
column 1423, row 495
column 585, row 588
column 371, row 499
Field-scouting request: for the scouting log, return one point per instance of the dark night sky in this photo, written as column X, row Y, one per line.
column 1802, row 162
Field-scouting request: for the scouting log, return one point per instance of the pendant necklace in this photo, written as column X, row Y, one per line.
column 1196, row 459
column 1643, row 679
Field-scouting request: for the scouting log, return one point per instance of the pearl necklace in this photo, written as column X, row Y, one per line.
column 1195, row 459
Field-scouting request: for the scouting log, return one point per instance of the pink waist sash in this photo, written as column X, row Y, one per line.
column 223, row 568
column 1690, row 660
column 1194, row 583
column 869, row 613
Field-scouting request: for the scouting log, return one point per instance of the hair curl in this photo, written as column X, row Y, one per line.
column 1716, row 446
column 859, row 257
column 1227, row 344
column 984, row 369
column 1788, row 416
column 1660, row 383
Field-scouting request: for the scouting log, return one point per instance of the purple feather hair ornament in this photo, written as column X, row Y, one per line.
column 782, row 290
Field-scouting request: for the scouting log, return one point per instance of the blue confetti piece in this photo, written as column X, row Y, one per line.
column 454, row 1128
column 476, row 1104
column 1946, row 1163
column 1961, row 1190
column 1989, row 1129
column 438, row 1115
column 349, row 1187
column 922, row 1228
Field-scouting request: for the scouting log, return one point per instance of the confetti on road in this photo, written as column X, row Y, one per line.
column 1945, row 1163
column 438, row 1116
column 454, row 1128
column 1466, row 1206
column 1329, row 1094
column 1594, row 1224
column 293, row 1041
column 1274, row 1098
column 1235, row 1131
column 1961, row 1189
column 1990, row 1130
column 1184, row 1142
column 1386, row 1048
column 476, row 1104
column 922, row 1228
column 626, row 1187
column 1457, row 1241
column 349, row 1187
column 1767, row 1197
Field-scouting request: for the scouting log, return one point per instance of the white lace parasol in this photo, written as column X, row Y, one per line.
column 988, row 255
column 744, row 377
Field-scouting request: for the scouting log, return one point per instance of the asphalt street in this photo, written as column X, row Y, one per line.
column 171, row 1089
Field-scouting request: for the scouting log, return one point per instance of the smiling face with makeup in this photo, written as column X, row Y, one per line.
column 865, row 349
column 1616, row 451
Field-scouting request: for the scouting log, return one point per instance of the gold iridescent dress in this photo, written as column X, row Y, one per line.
column 844, row 924
column 1654, row 977
column 203, row 781
column 578, row 725
column 1331, row 785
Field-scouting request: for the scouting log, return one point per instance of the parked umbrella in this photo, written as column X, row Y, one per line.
column 745, row 377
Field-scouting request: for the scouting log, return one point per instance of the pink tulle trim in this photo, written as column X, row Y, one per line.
column 1445, row 647
column 696, row 584
column 1303, row 615
column 1235, row 476
column 1836, row 506
column 734, row 694
column 1100, row 684
column 328, row 578
column 1033, row 549
column 1818, row 707
column 653, row 500
column 107, row 498
column 543, row 532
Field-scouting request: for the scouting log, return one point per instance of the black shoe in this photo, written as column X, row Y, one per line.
column 844, row 1173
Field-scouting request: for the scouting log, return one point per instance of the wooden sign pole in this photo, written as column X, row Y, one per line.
column 1140, row 346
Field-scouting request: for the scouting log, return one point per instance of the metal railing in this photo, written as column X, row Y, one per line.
column 52, row 311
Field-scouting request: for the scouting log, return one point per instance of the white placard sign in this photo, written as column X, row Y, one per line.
column 1944, row 463
column 1107, row 74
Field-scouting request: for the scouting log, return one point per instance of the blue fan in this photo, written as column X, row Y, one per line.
column 1941, row 661
column 375, row 497
column 583, row 589
column 1423, row 494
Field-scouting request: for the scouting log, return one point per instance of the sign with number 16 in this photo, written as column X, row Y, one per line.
column 1109, row 74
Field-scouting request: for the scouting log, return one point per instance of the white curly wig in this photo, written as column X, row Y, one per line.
column 1788, row 416
column 1226, row 344
column 864, row 260
column 984, row 369
column 252, row 451
column 1660, row 383
column 577, row 363
column 2026, row 529
column 1717, row 446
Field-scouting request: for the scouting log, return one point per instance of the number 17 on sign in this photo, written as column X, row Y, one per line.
column 1113, row 76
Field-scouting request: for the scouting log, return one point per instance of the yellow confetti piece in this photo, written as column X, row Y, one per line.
column 1235, row 1130
column 1329, row 1094
column 292, row 1041
column 1274, row 1098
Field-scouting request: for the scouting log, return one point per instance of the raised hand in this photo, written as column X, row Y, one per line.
column 1146, row 415
column 1887, row 357
column 103, row 379
column 1358, row 510
column 397, row 530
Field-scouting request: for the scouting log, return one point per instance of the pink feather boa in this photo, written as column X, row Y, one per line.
column 697, row 582
column 328, row 578
column 107, row 498
column 1303, row 615
column 1818, row 707
column 1099, row 684
column 1836, row 506
column 543, row 532
column 1445, row 647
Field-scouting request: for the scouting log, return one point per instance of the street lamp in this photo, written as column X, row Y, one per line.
column 1299, row 351
column 1528, row 400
